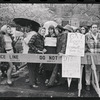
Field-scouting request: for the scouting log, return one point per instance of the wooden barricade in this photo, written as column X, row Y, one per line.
column 92, row 59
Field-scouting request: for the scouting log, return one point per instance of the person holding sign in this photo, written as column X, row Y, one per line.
column 61, row 46
column 92, row 46
column 50, row 45
column 36, row 46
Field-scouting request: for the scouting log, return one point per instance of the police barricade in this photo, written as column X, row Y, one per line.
column 92, row 59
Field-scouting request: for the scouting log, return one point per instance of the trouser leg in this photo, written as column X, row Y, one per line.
column 53, row 76
column 88, row 74
column 36, row 71
column 32, row 72
column 9, row 71
column 98, row 72
column 61, row 80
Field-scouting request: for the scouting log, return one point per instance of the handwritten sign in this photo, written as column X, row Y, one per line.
column 50, row 41
column 71, row 66
column 75, row 44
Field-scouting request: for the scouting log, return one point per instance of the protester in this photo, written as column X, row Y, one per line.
column 84, row 30
column 92, row 46
column 61, row 47
column 6, row 29
column 25, row 41
column 2, row 50
column 36, row 46
column 48, row 68
column 29, row 34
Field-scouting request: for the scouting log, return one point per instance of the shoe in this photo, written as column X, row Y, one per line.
column 9, row 83
column 33, row 86
column 88, row 87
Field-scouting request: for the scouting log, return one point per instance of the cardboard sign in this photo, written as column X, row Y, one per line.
column 50, row 41
column 71, row 66
column 75, row 44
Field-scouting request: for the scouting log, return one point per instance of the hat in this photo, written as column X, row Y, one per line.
column 68, row 27
column 60, row 27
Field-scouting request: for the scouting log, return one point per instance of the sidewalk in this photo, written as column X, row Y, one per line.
column 22, row 89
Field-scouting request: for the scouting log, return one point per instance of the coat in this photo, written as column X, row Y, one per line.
column 90, row 43
column 61, row 42
column 36, row 43
column 50, row 50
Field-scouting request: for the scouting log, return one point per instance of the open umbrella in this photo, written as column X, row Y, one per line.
column 27, row 22
column 49, row 23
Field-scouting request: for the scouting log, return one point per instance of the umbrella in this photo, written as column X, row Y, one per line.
column 27, row 22
column 49, row 23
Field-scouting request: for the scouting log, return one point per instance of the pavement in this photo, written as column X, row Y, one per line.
column 22, row 89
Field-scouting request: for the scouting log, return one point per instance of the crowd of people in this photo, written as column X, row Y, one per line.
column 35, row 44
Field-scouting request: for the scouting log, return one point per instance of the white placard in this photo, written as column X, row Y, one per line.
column 71, row 66
column 51, row 41
column 75, row 44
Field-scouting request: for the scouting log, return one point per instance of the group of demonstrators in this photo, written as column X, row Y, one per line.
column 36, row 45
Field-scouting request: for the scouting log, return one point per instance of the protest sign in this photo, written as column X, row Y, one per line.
column 75, row 44
column 71, row 66
column 50, row 41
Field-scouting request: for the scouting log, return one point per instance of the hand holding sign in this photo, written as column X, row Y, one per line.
column 44, row 50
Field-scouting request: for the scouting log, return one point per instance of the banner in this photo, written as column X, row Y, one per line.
column 42, row 58
column 50, row 41
column 75, row 44
column 33, row 58
column 71, row 66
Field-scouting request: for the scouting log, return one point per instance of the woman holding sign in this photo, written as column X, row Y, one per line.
column 50, row 45
column 61, row 46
